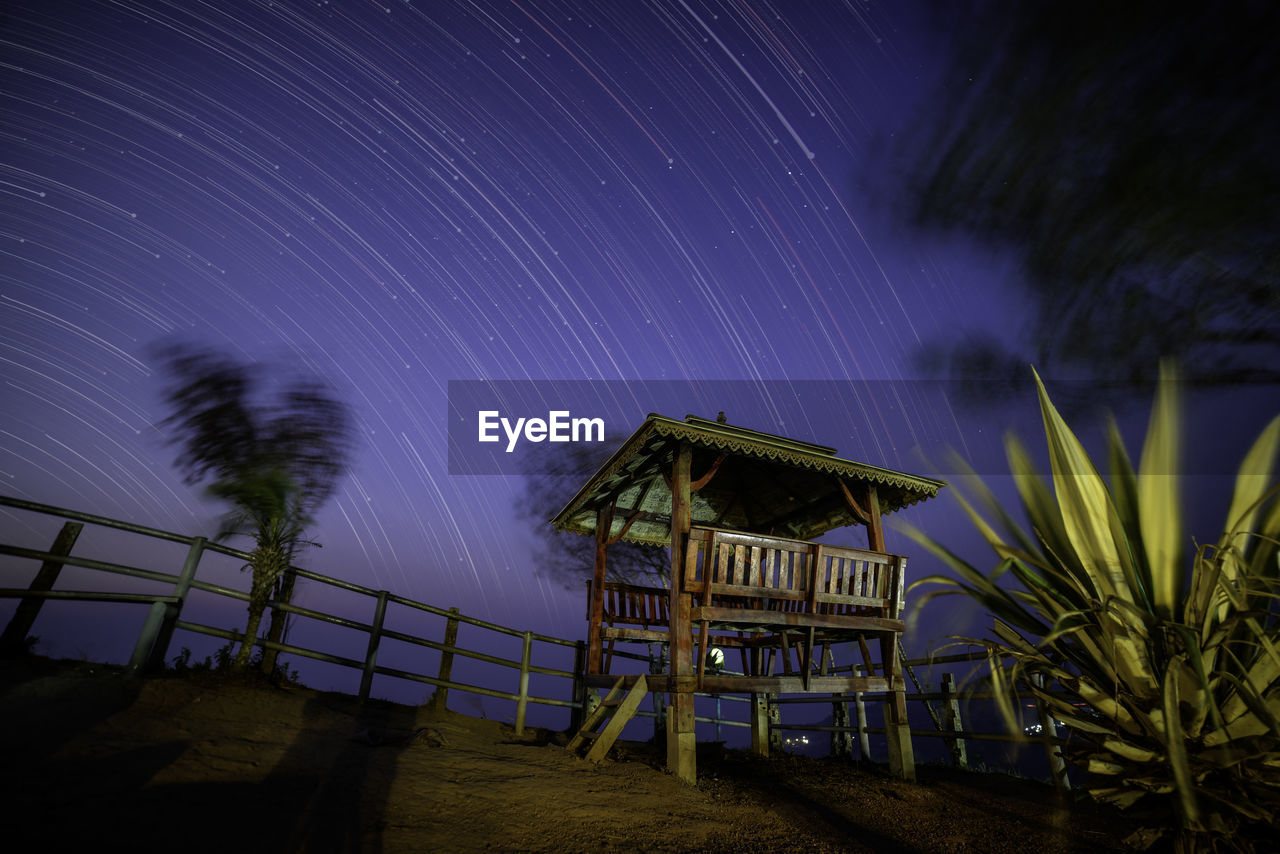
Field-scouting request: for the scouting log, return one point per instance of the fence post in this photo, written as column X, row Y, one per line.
column 951, row 719
column 371, row 653
column 760, row 724
column 12, row 641
column 160, row 650
column 526, row 650
column 579, row 686
column 775, row 718
column 1048, row 732
column 860, row 709
column 658, row 666
column 842, row 741
column 441, row 698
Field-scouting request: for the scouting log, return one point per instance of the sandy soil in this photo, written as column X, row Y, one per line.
column 204, row 763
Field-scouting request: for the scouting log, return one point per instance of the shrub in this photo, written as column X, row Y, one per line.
column 1172, row 649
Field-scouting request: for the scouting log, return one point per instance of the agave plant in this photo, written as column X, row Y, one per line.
column 1165, row 655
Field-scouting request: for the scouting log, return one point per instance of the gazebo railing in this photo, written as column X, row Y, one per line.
column 735, row 569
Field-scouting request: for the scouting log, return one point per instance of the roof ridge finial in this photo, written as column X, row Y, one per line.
column 720, row 419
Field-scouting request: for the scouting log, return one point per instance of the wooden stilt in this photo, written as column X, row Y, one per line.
column 681, row 735
column 897, row 730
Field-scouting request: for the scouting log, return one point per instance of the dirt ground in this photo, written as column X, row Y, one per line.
column 204, row 763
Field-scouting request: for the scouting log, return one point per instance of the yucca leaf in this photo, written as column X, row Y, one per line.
column 1083, row 502
column 1042, row 510
column 1027, row 544
column 1068, row 622
column 1002, row 689
column 1109, row 767
column 1266, row 710
column 1196, row 658
column 1118, row 796
column 1124, row 492
column 988, row 533
column 1253, row 478
column 1159, row 506
column 1013, row 641
column 1129, row 751
column 1176, row 747
column 994, row 598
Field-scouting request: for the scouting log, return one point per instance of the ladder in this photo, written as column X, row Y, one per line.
column 617, row 708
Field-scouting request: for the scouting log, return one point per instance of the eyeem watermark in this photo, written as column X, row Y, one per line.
column 558, row 426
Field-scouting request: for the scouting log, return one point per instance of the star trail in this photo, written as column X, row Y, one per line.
column 396, row 195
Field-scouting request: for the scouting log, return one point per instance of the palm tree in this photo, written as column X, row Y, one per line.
column 273, row 463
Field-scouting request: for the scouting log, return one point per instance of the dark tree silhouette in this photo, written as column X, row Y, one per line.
column 558, row 472
column 1126, row 153
column 273, row 462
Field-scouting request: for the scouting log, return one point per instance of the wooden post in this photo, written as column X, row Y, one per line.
column 860, row 709
column 146, row 639
column 595, row 652
column 12, row 642
column 526, row 650
column 841, row 742
column 441, row 698
column 659, row 666
column 160, row 650
column 1049, row 731
column 875, row 529
column 951, row 719
column 760, row 724
column 775, row 718
column 681, row 732
column 576, row 712
column 897, row 730
column 371, row 651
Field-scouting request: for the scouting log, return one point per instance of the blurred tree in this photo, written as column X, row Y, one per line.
column 557, row 472
column 1126, row 153
column 274, row 463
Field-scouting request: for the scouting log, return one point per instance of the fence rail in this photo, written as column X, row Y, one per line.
column 165, row 616
column 153, row 644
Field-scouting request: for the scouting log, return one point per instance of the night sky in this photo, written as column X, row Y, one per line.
column 395, row 195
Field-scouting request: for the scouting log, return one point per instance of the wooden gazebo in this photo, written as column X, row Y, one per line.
column 739, row 510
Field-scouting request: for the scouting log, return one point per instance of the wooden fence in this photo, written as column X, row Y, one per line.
column 165, row 616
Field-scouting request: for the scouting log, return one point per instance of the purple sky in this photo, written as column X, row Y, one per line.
column 399, row 194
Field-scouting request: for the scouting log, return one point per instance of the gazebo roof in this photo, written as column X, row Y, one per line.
column 765, row 484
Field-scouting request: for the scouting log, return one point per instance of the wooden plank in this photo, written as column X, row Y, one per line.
column 626, row 710
column 661, row 636
column 740, row 538
column 860, row 601
column 587, row 731
column 691, row 582
column 815, row 571
column 899, row 593
column 753, row 592
column 708, row 568
column 715, row 614
column 661, row 683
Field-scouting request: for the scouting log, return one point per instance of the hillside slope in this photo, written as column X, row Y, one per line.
column 204, row 763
